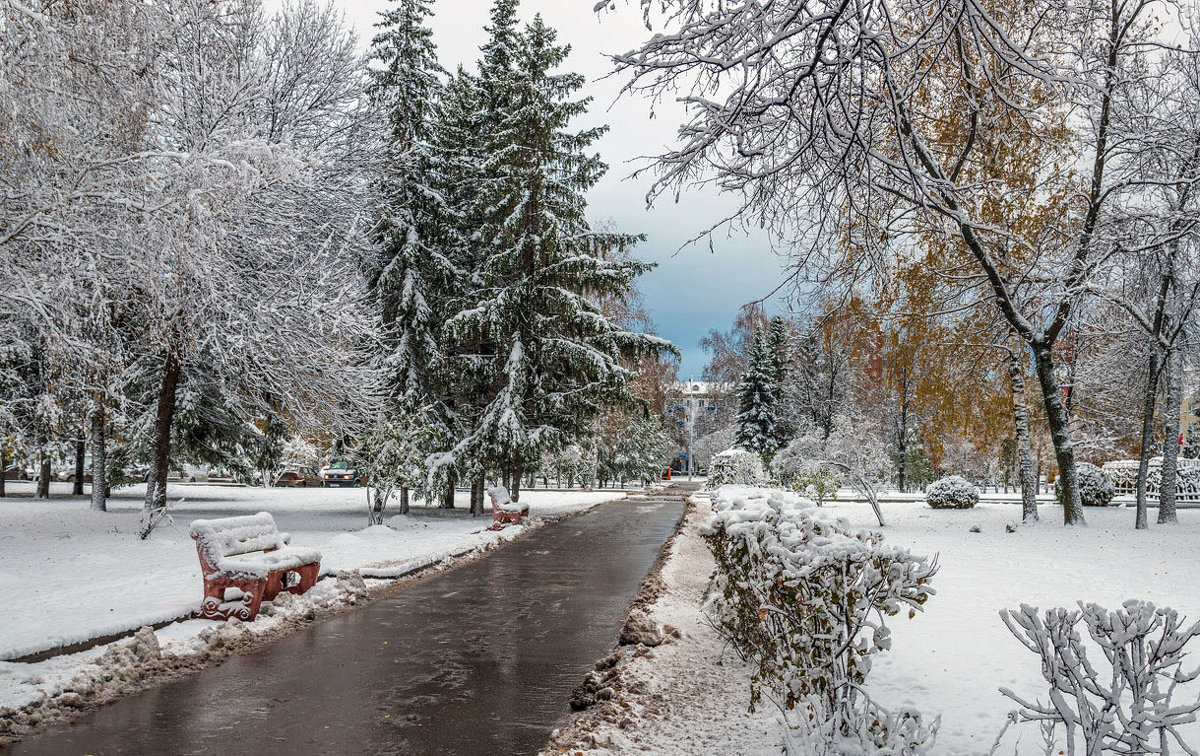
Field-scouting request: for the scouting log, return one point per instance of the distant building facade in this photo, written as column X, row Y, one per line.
column 696, row 408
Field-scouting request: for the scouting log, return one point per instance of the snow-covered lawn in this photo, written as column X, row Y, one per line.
column 68, row 574
column 951, row 659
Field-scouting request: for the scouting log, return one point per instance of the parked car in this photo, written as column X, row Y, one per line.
column 298, row 477
column 66, row 471
column 340, row 473
column 16, row 472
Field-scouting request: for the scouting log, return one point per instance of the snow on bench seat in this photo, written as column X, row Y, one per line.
column 250, row 554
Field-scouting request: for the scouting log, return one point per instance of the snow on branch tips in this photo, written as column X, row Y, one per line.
column 805, row 599
column 1121, row 702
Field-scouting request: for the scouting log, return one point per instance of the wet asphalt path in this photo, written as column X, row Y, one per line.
column 477, row 660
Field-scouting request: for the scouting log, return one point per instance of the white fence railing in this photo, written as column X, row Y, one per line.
column 1123, row 474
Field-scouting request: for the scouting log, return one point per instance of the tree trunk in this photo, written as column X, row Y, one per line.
column 516, row 479
column 448, row 494
column 902, row 439
column 43, row 482
column 3, row 469
column 379, row 504
column 156, row 483
column 506, row 476
column 99, row 460
column 1028, row 479
column 80, row 452
column 1166, row 494
column 477, row 496
column 1148, row 401
column 404, row 499
column 1064, row 452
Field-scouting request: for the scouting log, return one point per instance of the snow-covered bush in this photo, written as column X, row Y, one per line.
column 804, row 598
column 1117, row 701
column 795, row 470
column 738, row 467
column 952, row 492
column 852, row 449
column 1095, row 489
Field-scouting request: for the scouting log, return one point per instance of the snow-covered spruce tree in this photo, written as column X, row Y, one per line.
column 410, row 268
column 758, row 402
column 468, row 119
column 533, row 331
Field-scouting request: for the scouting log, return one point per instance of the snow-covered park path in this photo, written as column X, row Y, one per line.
column 479, row 659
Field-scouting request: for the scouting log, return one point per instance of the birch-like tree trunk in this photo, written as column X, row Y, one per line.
column 1166, row 495
column 1028, row 478
column 1064, row 450
column 1148, row 404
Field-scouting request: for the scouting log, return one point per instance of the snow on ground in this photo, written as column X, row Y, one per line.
column 687, row 697
column 951, row 659
column 948, row 661
column 68, row 574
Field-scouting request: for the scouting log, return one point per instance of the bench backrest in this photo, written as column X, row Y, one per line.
column 229, row 536
column 499, row 496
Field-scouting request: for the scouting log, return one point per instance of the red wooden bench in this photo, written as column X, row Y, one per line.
column 250, row 554
column 504, row 509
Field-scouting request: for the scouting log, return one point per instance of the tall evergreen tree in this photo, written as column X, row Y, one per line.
column 779, row 354
column 757, row 402
column 414, row 227
column 553, row 360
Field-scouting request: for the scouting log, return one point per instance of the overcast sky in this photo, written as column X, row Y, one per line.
column 693, row 290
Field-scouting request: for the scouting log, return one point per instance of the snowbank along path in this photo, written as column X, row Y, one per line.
column 480, row 659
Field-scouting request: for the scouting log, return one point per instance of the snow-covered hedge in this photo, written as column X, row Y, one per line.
column 1095, row 489
column 952, row 492
column 804, row 598
column 736, row 467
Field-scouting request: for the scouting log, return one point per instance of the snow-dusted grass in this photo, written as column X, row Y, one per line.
column 68, row 574
column 951, row 659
